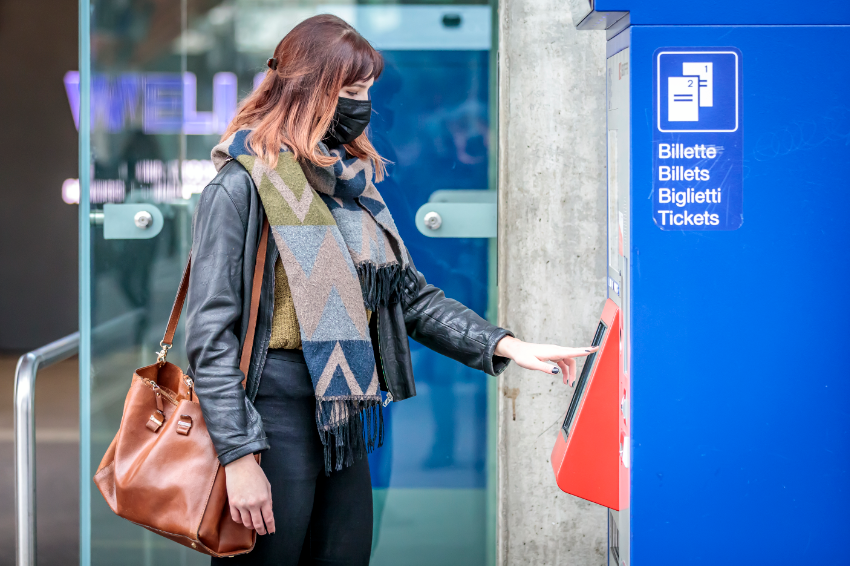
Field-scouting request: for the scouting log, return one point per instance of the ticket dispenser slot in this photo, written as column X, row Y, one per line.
column 586, row 458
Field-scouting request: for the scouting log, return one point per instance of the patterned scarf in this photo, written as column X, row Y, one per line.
column 342, row 255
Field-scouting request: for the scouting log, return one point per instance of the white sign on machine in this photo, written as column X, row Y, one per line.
column 686, row 94
column 698, row 139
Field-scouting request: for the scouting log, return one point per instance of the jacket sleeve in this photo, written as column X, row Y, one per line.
column 213, row 322
column 449, row 328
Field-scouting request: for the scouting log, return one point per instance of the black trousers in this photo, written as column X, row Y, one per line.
column 319, row 519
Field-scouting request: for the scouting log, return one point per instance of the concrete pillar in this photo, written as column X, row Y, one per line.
column 552, row 275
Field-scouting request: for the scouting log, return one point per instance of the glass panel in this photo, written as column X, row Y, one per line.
column 165, row 80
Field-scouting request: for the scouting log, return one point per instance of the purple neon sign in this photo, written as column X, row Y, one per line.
column 159, row 103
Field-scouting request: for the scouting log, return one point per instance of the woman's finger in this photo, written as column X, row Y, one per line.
column 266, row 508
column 245, row 518
column 565, row 369
column 257, row 520
column 555, row 353
column 571, row 362
column 563, row 352
column 235, row 514
column 268, row 517
column 535, row 364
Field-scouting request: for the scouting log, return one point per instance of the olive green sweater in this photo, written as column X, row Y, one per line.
column 285, row 331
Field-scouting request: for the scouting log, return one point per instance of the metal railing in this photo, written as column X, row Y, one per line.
column 25, row 374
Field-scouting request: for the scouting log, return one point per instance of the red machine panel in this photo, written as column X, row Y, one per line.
column 588, row 454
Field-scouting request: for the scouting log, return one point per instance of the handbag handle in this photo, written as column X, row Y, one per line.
column 257, row 284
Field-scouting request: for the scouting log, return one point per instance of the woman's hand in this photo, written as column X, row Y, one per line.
column 249, row 494
column 535, row 356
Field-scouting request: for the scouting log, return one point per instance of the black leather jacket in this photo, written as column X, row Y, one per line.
column 227, row 226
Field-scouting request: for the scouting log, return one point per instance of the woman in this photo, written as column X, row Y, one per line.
column 339, row 297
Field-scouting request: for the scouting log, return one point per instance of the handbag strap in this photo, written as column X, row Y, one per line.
column 256, row 287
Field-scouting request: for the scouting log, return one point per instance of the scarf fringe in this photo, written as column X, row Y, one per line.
column 382, row 284
column 349, row 429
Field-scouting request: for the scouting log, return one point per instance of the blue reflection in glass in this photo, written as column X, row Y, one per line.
column 431, row 120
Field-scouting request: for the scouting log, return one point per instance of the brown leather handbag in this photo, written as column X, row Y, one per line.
column 161, row 470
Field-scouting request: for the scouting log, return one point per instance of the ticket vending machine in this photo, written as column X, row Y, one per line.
column 728, row 197
column 591, row 454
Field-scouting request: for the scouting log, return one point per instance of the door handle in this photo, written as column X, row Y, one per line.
column 458, row 214
column 133, row 221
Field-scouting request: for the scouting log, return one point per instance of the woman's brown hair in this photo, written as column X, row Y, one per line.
column 295, row 104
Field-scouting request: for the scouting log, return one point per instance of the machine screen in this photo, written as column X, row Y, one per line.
column 582, row 380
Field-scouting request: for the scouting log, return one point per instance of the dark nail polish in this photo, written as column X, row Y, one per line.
column 556, row 369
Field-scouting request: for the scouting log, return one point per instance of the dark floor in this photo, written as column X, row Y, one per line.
column 57, row 485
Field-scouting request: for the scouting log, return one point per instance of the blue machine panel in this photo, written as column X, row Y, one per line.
column 740, row 428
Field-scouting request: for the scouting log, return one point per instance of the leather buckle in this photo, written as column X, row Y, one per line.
column 184, row 425
column 155, row 421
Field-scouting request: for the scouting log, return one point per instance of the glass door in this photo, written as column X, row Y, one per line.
column 158, row 82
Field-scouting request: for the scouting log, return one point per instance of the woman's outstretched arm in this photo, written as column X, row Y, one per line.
column 449, row 328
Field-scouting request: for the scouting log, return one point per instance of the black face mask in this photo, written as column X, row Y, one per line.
column 349, row 121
